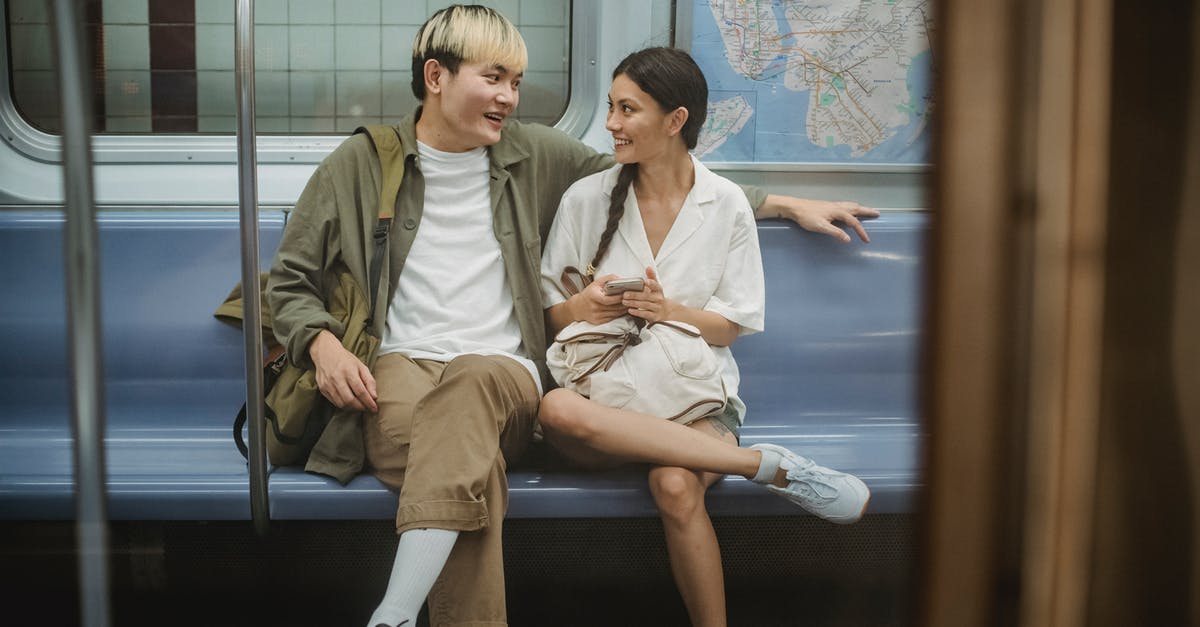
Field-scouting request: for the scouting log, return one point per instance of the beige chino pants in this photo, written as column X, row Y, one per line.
column 443, row 436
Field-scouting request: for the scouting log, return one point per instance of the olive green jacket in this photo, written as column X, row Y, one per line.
column 531, row 167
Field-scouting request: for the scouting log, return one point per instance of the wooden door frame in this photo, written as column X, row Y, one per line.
column 1015, row 308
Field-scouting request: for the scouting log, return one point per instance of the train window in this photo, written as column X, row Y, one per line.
column 322, row 66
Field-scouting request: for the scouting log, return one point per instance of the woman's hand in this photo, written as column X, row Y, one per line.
column 649, row 304
column 818, row 216
column 652, row 306
column 593, row 305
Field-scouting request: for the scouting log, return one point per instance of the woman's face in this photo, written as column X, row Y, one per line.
column 641, row 130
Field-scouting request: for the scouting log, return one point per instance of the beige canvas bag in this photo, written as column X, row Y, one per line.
column 664, row 369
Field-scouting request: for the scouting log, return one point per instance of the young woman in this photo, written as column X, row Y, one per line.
column 660, row 214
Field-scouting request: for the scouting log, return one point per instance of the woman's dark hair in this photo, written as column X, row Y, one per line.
column 671, row 77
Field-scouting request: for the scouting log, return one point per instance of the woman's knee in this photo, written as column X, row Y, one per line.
column 562, row 413
column 678, row 493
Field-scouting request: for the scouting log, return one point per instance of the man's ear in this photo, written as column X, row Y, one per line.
column 676, row 120
column 434, row 72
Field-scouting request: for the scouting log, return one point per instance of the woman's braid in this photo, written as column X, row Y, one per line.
column 616, row 209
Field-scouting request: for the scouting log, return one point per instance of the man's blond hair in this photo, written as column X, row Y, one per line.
column 471, row 33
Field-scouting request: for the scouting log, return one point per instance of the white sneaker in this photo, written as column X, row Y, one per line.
column 835, row 496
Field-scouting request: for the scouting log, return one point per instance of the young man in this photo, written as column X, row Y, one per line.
column 452, row 395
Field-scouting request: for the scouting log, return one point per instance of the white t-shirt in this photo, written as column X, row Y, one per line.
column 709, row 260
column 453, row 296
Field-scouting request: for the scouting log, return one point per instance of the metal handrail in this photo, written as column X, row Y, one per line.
column 83, row 313
column 248, row 220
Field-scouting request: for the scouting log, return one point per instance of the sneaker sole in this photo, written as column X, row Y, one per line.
column 851, row 520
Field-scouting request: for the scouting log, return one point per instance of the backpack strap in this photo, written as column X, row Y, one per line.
column 386, row 141
column 271, row 372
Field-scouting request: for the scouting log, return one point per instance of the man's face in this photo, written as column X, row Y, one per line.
column 475, row 101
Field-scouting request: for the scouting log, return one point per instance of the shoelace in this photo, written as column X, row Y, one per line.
column 811, row 483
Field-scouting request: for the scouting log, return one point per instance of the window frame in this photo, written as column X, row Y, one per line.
column 583, row 93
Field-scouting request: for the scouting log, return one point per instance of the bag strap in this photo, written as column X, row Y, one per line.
column 386, row 140
column 605, row 361
column 568, row 277
column 677, row 327
column 271, row 372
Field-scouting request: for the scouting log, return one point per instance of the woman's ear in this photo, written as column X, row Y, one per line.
column 433, row 71
column 676, row 120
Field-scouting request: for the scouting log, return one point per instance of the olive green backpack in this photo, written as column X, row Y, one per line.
column 294, row 409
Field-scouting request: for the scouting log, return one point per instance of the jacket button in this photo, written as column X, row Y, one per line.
column 410, row 224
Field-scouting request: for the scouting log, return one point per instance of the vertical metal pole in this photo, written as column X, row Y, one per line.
column 83, row 312
column 252, row 310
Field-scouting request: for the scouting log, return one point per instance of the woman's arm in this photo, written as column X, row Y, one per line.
column 592, row 305
column 650, row 305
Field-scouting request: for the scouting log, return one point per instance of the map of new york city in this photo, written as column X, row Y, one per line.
column 815, row 81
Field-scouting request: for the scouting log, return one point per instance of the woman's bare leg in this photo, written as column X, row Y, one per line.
column 573, row 423
column 579, row 455
column 691, row 541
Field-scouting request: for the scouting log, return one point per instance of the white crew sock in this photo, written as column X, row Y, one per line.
column 767, row 466
column 420, row 557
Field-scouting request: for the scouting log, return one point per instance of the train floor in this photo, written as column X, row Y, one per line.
column 586, row 573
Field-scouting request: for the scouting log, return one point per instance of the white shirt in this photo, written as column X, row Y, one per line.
column 453, row 296
column 709, row 260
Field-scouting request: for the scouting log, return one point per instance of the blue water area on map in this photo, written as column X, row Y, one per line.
column 776, row 131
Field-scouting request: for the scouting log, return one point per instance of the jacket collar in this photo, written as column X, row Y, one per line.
column 688, row 220
column 702, row 187
column 504, row 153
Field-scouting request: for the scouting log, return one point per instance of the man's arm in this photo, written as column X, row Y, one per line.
column 297, row 277
column 295, row 294
column 818, row 216
column 576, row 160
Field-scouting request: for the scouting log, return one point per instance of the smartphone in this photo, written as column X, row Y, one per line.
column 616, row 286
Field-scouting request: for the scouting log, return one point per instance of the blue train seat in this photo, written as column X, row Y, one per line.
column 833, row 377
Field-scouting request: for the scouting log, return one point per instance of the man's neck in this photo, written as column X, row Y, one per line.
column 433, row 130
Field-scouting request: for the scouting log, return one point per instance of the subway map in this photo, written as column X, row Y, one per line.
column 815, row 81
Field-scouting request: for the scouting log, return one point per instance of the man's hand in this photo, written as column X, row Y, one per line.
column 818, row 216
column 342, row 378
